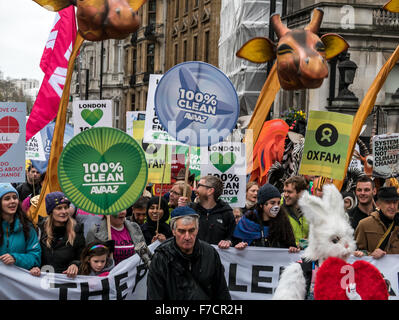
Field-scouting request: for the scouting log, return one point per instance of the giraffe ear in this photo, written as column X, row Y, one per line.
column 136, row 4
column 392, row 6
column 54, row 5
column 334, row 44
column 258, row 50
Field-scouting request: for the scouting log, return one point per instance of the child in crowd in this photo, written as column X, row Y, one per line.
column 96, row 259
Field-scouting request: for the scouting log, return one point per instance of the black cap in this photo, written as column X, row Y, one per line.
column 387, row 194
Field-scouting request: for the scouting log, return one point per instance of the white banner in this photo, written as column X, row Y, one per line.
column 251, row 274
column 386, row 155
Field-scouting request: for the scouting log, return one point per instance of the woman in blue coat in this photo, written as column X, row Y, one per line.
column 19, row 244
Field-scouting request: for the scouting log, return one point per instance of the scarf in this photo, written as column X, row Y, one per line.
column 248, row 230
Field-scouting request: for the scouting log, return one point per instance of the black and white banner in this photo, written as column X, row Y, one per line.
column 251, row 274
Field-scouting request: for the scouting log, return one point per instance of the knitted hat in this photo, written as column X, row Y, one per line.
column 7, row 188
column 267, row 192
column 183, row 211
column 54, row 199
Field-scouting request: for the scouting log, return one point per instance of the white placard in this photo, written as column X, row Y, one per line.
column 91, row 113
column 227, row 161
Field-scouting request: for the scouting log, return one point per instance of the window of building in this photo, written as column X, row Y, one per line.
column 134, row 62
column 176, row 53
column 195, row 48
column 196, row 3
column 177, row 8
column 116, row 113
column 152, row 7
column 185, row 6
column 150, row 57
column 184, row 50
column 206, row 46
column 133, row 103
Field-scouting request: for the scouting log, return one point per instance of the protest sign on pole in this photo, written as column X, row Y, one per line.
column 227, row 161
column 196, row 103
column 385, row 155
column 34, row 149
column 91, row 113
column 12, row 141
column 96, row 173
column 326, row 144
column 154, row 154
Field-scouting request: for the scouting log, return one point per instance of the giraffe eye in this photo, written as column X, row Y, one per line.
column 283, row 49
column 320, row 47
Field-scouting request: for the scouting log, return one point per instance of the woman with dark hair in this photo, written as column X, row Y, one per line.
column 19, row 244
column 155, row 214
column 61, row 238
column 265, row 226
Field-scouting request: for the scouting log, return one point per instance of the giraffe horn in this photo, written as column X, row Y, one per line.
column 279, row 28
column 316, row 20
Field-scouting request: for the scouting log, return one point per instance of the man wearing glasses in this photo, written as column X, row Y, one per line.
column 216, row 219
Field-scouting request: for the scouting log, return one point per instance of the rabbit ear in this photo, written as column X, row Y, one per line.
column 333, row 198
column 312, row 208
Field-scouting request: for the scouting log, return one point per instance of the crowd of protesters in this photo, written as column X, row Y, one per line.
column 187, row 221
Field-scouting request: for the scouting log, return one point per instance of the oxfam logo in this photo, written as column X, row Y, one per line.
column 326, row 135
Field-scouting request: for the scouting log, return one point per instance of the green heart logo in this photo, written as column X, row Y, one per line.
column 96, row 172
column 222, row 162
column 92, row 117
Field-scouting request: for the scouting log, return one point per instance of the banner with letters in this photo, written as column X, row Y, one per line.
column 251, row 274
column 326, row 144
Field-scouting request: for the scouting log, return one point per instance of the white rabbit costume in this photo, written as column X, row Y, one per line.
column 330, row 235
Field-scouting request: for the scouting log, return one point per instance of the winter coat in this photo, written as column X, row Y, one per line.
column 100, row 233
column 215, row 224
column 299, row 226
column 369, row 232
column 25, row 252
column 25, row 189
column 62, row 254
column 174, row 275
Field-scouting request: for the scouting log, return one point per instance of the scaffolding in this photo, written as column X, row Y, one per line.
column 240, row 21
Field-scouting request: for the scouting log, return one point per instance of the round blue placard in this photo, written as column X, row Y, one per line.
column 196, row 103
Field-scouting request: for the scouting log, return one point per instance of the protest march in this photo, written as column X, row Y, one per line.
column 185, row 200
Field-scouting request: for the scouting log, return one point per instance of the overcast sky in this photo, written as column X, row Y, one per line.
column 24, row 29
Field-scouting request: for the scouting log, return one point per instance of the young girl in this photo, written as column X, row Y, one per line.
column 96, row 259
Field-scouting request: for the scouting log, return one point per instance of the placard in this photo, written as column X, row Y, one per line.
column 12, row 141
column 196, row 103
column 326, row 144
column 227, row 161
column 385, row 155
column 102, row 170
column 91, row 113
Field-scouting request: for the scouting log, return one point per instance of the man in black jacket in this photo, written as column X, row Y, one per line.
column 216, row 218
column 184, row 267
column 32, row 186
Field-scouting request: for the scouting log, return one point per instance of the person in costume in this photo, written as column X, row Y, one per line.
column 266, row 226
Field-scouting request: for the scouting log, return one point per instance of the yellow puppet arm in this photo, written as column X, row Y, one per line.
column 50, row 183
column 136, row 4
column 392, row 6
column 262, row 108
column 366, row 107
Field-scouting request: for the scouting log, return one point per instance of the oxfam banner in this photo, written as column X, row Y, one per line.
column 102, row 170
column 326, row 144
column 196, row 103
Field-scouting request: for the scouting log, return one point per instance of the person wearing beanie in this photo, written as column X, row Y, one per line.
column 62, row 239
column 265, row 226
column 19, row 244
column 185, row 267
column 155, row 227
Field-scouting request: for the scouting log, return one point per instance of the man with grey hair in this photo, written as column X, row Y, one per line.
column 184, row 267
column 216, row 217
